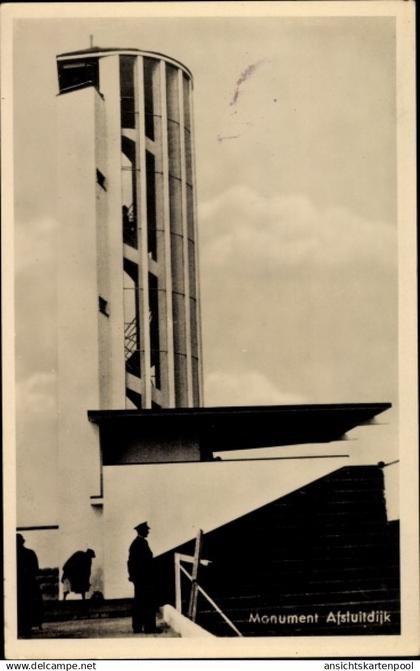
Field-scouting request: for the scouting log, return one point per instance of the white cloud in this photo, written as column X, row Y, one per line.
column 307, row 297
column 245, row 228
column 245, row 388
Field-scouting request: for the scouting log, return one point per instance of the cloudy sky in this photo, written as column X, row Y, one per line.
column 296, row 176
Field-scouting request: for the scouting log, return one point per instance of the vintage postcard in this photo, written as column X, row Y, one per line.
column 210, row 315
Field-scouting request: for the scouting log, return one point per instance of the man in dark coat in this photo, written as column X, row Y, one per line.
column 29, row 599
column 76, row 572
column 141, row 574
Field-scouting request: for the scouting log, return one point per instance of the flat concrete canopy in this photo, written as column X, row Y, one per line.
column 243, row 427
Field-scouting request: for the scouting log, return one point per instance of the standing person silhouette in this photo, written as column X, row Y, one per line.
column 29, row 599
column 141, row 574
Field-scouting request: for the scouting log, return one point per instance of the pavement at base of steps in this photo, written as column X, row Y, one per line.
column 109, row 627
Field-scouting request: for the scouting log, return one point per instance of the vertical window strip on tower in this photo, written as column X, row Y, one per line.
column 131, row 320
column 151, row 205
column 129, row 168
column 154, row 329
column 129, row 191
column 127, row 97
column 149, row 66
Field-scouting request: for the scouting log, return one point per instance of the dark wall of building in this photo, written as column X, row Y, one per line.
column 321, row 561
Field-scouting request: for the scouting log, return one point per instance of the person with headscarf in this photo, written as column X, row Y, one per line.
column 76, row 573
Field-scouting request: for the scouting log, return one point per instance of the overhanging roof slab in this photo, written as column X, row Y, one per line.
column 244, row 427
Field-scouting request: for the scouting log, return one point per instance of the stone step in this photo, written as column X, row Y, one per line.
column 294, row 599
column 106, row 627
column 55, row 611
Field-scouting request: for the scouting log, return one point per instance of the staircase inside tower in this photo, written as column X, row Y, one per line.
column 132, row 355
column 322, row 560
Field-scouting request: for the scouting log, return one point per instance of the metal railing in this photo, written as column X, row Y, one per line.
column 178, row 595
column 130, row 338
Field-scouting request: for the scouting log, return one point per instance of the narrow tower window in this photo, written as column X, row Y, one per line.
column 151, row 205
column 154, row 329
column 127, row 68
column 149, row 110
column 100, row 178
column 103, row 306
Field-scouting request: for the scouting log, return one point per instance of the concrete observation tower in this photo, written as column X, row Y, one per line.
column 130, row 112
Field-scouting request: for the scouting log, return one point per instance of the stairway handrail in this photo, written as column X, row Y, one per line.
column 212, row 602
